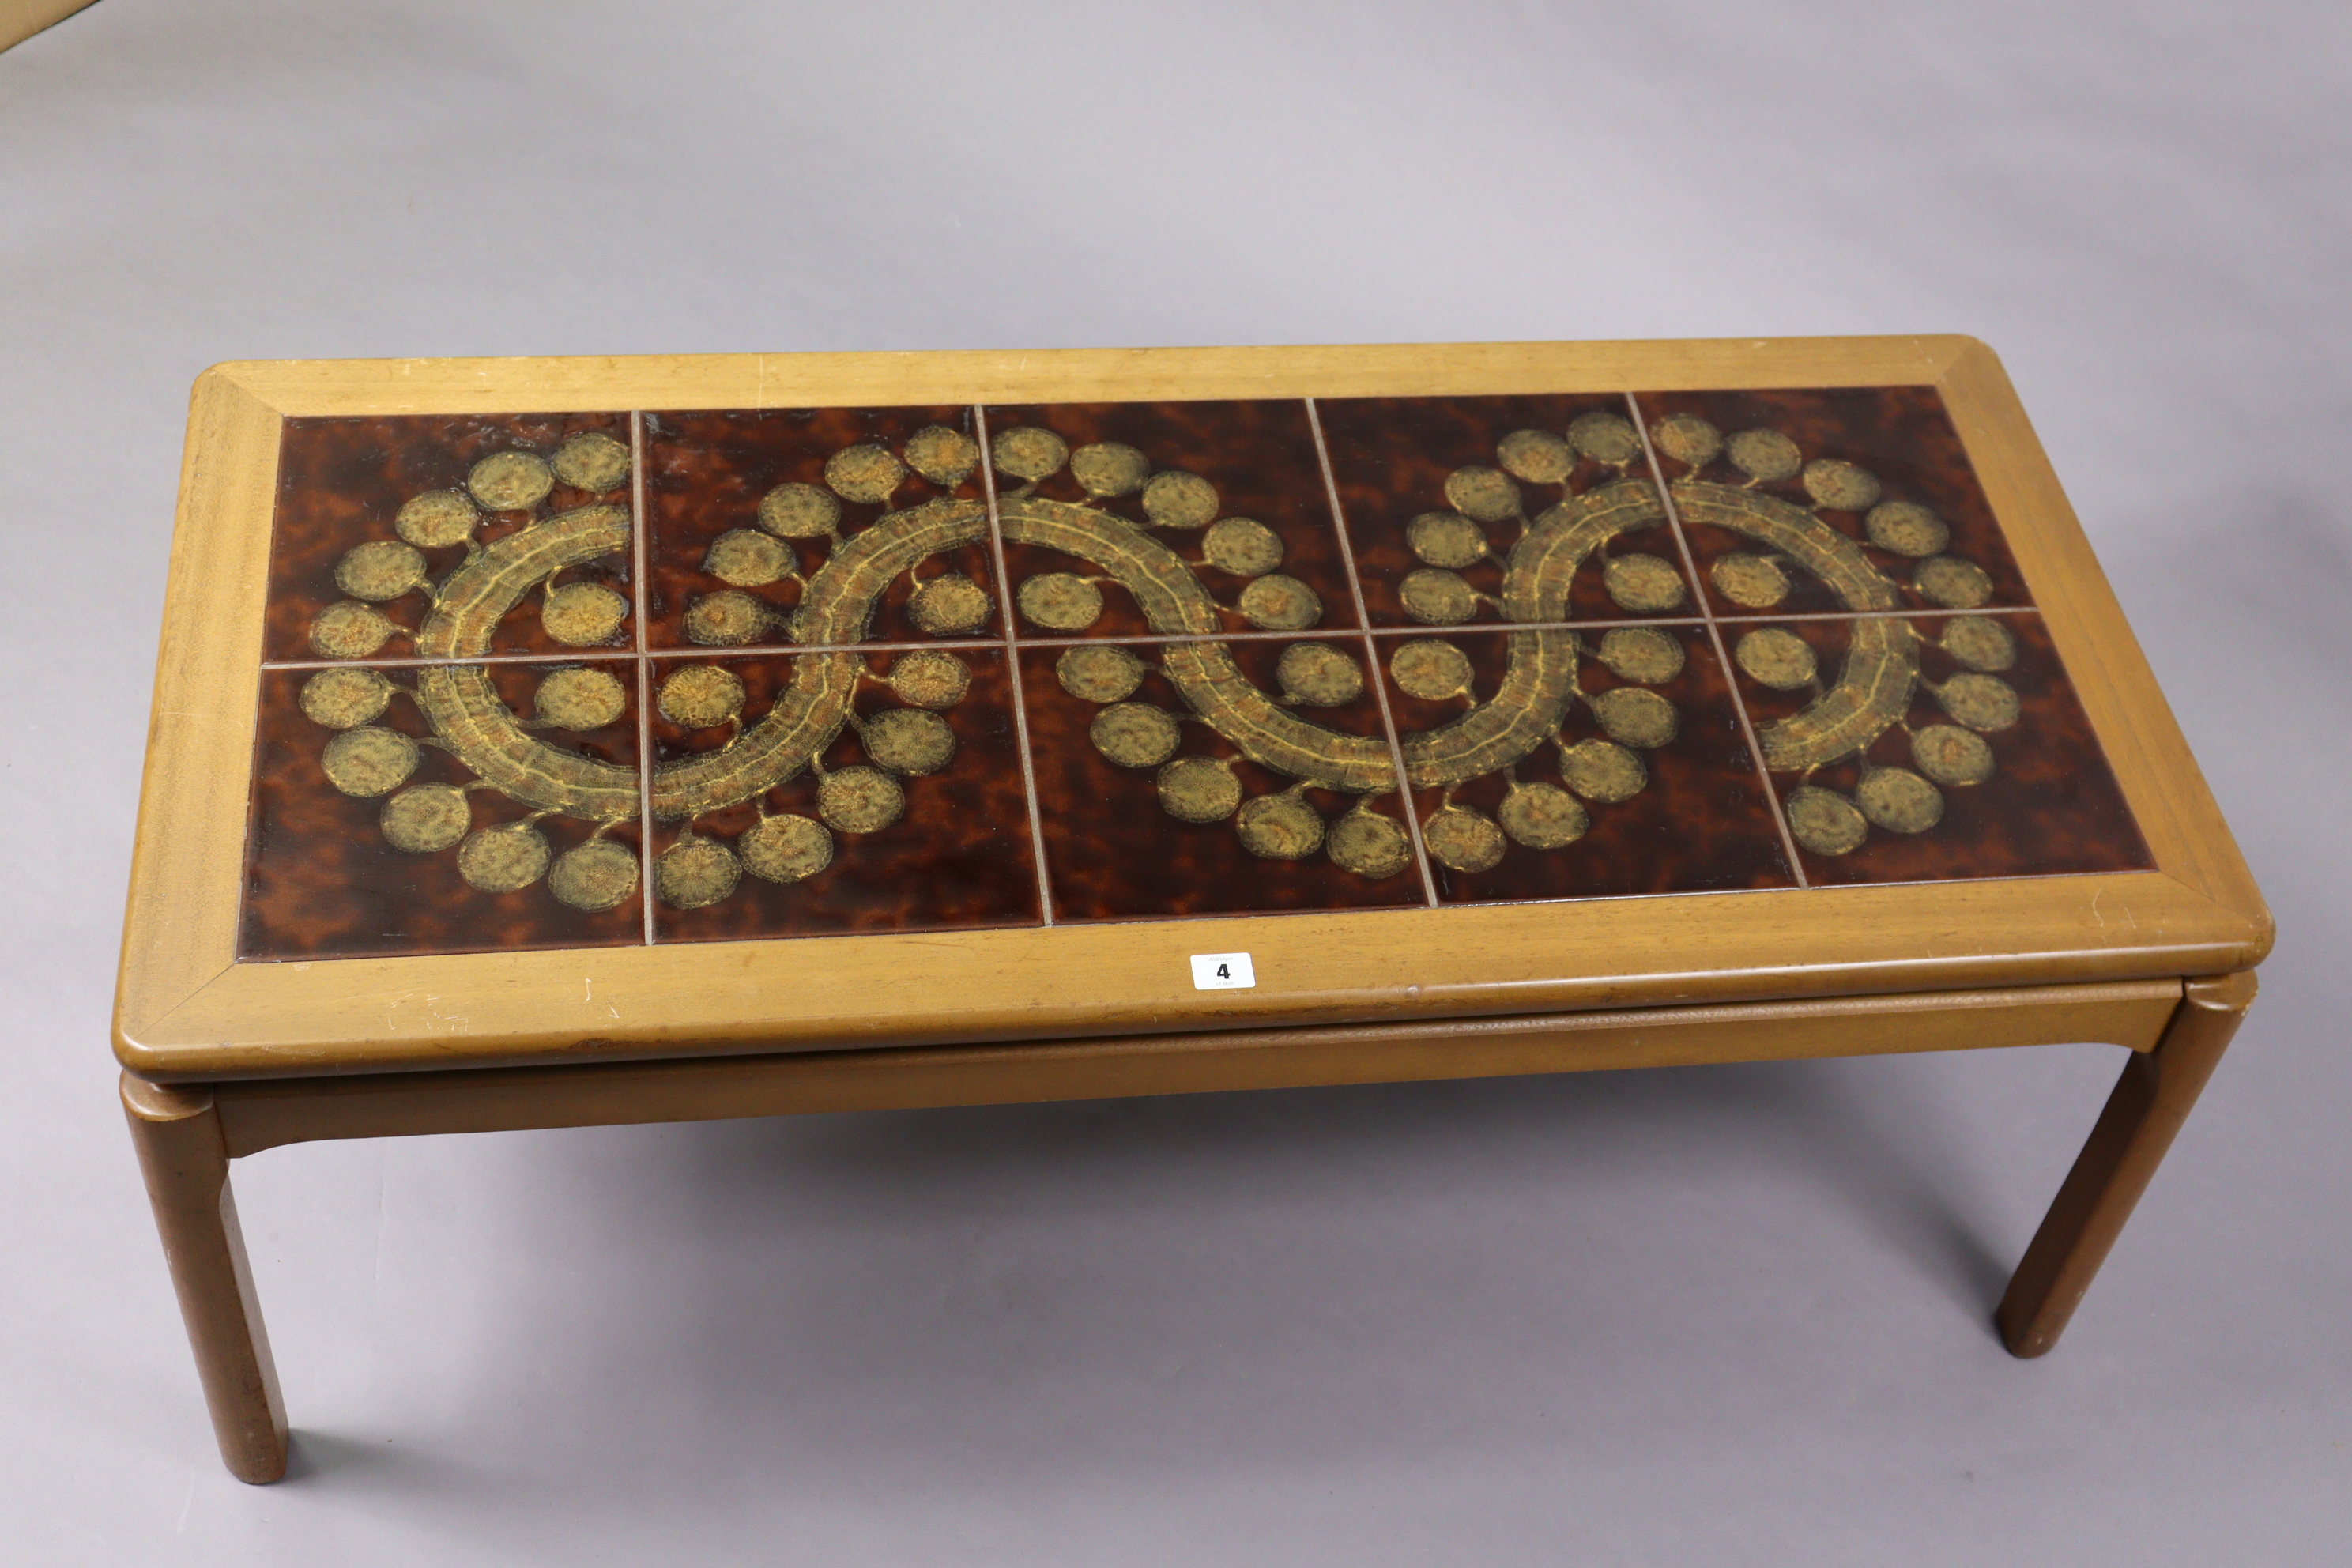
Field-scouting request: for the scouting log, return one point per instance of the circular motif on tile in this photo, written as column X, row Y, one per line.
column 696, row 873
column 860, row 799
column 349, row 630
column 749, row 559
column 1542, row 816
column 1134, row 734
column 1603, row 772
column 369, row 761
column 579, row 614
column 1906, row 527
column 1371, row 846
column 1199, row 789
column 1242, row 546
column 700, row 696
column 380, row 570
column 1641, row 654
column 799, row 511
column 343, row 699
column 1840, row 485
column 945, row 458
column 1279, row 828
column 597, row 875
column 1899, row 800
column 1107, row 468
column 1980, row 642
column 1537, row 457
column 1178, row 499
column 1484, row 494
column 597, row 463
column 1028, row 453
column 1952, row 756
column 1687, row 440
column 1278, row 603
column 866, row 473
column 1779, row 659
column 1634, row 717
column 948, row 605
column 1461, row 839
column 1983, row 702
column 909, row 740
column 1764, row 456
column 425, row 819
column 1955, row 584
column 786, row 848
column 1605, row 437
column 437, row 520
column 1318, row 675
column 930, row 679
column 580, row 698
column 1643, row 583
column 1437, row 598
column 1059, row 601
column 726, row 620
column 511, row 482
column 1755, row 582
column 1430, row 669
column 1824, row 821
column 504, row 859
column 1099, row 675
column 1446, row 539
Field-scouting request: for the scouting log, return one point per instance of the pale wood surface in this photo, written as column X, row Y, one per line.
column 20, row 19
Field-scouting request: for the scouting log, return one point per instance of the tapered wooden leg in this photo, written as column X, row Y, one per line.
column 185, row 1161
column 2147, row 1107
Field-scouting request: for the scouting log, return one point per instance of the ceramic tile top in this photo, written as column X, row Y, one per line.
column 582, row 679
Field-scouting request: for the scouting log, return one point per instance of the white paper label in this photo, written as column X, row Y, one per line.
column 1222, row 972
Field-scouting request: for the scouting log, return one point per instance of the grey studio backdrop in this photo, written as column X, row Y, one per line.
column 1724, row 1315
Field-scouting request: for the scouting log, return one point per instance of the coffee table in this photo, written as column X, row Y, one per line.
column 558, row 743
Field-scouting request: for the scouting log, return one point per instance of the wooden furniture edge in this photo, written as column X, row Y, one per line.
column 20, row 19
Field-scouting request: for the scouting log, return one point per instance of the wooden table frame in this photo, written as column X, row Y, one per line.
column 223, row 1059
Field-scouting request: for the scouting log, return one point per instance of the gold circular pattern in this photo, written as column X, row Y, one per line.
column 1755, row 582
column 945, row 458
column 1275, row 603
column 949, row 605
column 503, row 859
column 1603, row 772
column 1899, row 800
column 696, row 873
column 1199, row 789
column 1906, row 527
column 1446, row 539
column 1980, row 642
column 1106, row 469
column 1318, row 675
column 1641, row 654
column 597, row 463
column 1537, row 457
column 1279, row 828
column 928, row 678
column 1824, row 821
column 1766, row 455
column 1952, row 756
column 1687, row 440
column 1178, row 499
column 511, row 482
column 1028, row 453
column 1135, row 734
column 749, row 558
column 344, row 698
column 1430, row 669
column 909, row 740
column 368, row 761
column 381, row 570
column 1437, row 598
column 788, row 848
column 1644, row 584
column 1838, row 486
column 349, row 630
column 799, row 511
column 581, row 614
column 1486, row 495
column 1542, row 816
column 1777, row 658
column 597, row 875
column 1634, row 717
column 1955, row 584
column 726, row 620
column 1371, row 845
column 860, row 799
column 1058, row 602
column 1985, row 704
column 1461, row 839
column 1099, row 675
column 425, row 819
column 866, row 473
column 1243, row 546
column 580, row 698
column 1605, row 437
column 437, row 520
column 700, row 696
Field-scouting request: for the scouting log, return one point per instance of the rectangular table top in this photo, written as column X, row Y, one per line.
column 515, row 711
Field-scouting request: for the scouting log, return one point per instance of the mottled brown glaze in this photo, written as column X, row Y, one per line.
column 706, row 473
column 1701, row 824
column 1114, row 854
column 1391, row 458
column 2051, row 805
column 959, row 858
column 1260, row 456
column 341, row 481
column 321, row 882
column 1901, row 434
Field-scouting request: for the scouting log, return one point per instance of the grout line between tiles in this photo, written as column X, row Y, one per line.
column 1012, row 645
column 645, row 673
column 1405, row 806
column 1896, row 614
column 1715, row 635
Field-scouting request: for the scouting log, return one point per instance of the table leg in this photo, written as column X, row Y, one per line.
column 2147, row 1107
column 185, row 1162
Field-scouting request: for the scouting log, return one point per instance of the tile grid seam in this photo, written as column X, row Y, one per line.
column 638, row 531
column 1012, row 645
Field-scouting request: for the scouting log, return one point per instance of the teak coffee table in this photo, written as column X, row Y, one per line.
column 556, row 742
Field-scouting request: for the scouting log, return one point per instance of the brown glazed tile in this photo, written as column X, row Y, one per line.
column 342, row 484
column 2048, row 806
column 920, row 836
column 1691, row 816
column 1114, row 846
column 1893, row 559
column 323, row 877
column 1252, row 550
column 1392, row 459
column 728, row 567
